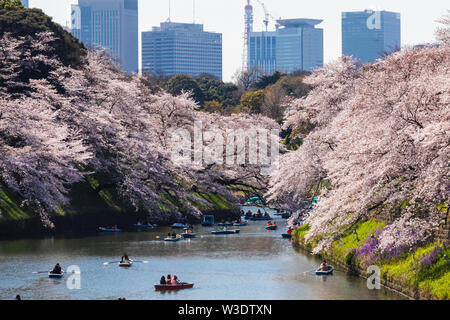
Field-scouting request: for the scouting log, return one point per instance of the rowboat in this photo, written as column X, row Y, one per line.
column 271, row 228
column 286, row 236
column 225, row 224
column 125, row 264
column 188, row 235
column 225, row 232
column 110, row 230
column 171, row 239
column 179, row 286
column 242, row 224
column 55, row 275
column 330, row 270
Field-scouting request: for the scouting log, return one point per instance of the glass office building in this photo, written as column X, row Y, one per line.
column 262, row 51
column 368, row 35
column 109, row 24
column 296, row 45
column 181, row 48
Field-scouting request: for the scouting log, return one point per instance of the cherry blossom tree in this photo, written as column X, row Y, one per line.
column 379, row 135
column 58, row 127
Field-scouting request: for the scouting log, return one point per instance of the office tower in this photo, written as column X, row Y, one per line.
column 262, row 51
column 368, row 35
column 109, row 24
column 296, row 45
column 181, row 48
column 25, row 3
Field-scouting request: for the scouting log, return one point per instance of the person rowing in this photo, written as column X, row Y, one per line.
column 163, row 280
column 269, row 224
column 57, row 269
column 324, row 266
column 169, row 279
column 175, row 280
column 124, row 258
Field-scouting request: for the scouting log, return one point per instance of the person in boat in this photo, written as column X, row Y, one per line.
column 18, row 297
column 324, row 266
column 169, row 279
column 248, row 214
column 289, row 231
column 269, row 224
column 124, row 258
column 163, row 280
column 175, row 280
column 174, row 234
column 57, row 269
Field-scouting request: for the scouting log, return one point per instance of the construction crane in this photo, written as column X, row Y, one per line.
column 267, row 15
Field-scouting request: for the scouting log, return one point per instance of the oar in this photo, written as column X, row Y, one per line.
column 38, row 272
column 305, row 272
column 145, row 261
column 106, row 263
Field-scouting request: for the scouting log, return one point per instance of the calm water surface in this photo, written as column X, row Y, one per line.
column 255, row 264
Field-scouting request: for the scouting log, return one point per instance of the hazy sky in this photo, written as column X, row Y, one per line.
column 418, row 19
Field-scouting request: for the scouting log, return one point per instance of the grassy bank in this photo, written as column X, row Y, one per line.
column 424, row 271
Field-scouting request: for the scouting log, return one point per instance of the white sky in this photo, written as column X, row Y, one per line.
column 226, row 16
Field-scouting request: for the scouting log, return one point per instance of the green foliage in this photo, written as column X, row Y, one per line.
column 251, row 102
column 431, row 279
column 294, row 86
column 9, row 207
column 184, row 83
column 10, row 4
column 442, row 207
column 352, row 240
column 20, row 21
column 300, row 233
column 218, row 202
column 267, row 80
column 213, row 106
column 227, row 94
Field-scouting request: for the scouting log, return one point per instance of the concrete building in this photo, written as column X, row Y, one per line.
column 109, row 24
column 181, row 48
column 368, row 35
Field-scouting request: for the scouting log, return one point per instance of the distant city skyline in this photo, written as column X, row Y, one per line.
column 227, row 17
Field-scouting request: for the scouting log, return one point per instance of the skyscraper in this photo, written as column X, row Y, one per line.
column 296, row 45
column 368, row 35
column 181, row 48
column 25, row 3
column 109, row 24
